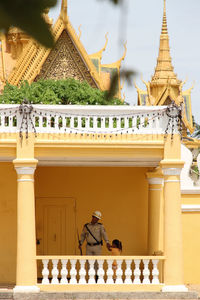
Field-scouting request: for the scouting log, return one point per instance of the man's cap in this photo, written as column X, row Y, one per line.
column 97, row 214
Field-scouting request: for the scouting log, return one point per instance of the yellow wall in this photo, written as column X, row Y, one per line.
column 119, row 193
column 191, row 241
column 8, row 204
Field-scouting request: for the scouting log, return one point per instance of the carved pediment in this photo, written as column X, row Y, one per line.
column 64, row 61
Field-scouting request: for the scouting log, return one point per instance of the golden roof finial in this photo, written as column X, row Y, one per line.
column 63, row 11
column 164, row 23
column 164, row 71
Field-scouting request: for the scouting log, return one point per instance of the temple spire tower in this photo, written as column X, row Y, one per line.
column 164, row 72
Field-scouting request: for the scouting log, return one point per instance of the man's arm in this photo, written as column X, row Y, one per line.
column 105, row 237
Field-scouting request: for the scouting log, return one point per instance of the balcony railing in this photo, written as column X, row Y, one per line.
column 81, row 270
column 86, row 119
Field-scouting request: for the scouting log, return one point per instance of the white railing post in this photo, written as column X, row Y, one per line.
column 64, row 272
column 100, row 271
column 91, row 272
column 128, row 272
column 119, row 272
column 45, row 271
column 146, row 271
column 110, row 272
column 55, row 272
column 137, row 272
column 155, row 272
column 82, row 272
column 73, row 271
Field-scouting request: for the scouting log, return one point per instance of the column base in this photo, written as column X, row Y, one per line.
column 175, row 288
column 26, row 289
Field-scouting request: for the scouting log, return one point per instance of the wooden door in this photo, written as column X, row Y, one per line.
column 56, row 226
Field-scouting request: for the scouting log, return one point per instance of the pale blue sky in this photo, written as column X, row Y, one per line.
column 143, row 26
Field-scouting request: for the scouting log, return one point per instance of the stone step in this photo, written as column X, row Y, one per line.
column 103, row 295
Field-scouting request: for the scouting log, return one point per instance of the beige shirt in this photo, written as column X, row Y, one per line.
column 97, row 230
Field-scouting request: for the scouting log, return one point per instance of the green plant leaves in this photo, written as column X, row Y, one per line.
column 64, row 91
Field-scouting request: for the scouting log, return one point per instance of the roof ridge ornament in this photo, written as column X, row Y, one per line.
column 63, row 11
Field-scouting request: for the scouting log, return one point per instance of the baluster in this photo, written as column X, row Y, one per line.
column 79, row 122
column 126, row 124
column 100, row 272
column 137, row 272
column 91, row 272
column 110, row 272
column 64, row 272
column 128, row 272
column 155, row 272
column 118, row 123
column 87, row 123
column 48, row 128
column 119, row 272
column 73, row 271
column 146, row 271
column 134, row 123
column 40, row 123
column 82, row 272
column 45, row 271
column 95, row 123
column 110, row 126
column 71, row 124
column 103, row 124
column 55, row 272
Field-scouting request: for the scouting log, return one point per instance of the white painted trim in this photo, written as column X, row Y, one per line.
column 155, row 180
column 155, row 189
column 190, row 191
column 175, row 180
column 190, row 207
column 25, row 179
column 171, row 171
column 174, row 288
column 25, row 170
column 26, row 289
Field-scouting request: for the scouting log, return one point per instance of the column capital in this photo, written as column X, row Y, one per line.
column 155, row 180
column 25, row 163
column 172, row 167
column 25, row 170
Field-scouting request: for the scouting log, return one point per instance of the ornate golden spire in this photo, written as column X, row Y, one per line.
column 164, row 72
column 63, row 11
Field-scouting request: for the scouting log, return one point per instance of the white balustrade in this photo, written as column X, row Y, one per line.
column 91, row 272
column 88, row 119
column 82, row 271
column 73, row 271
column 128, row 270
column 55, row 271
column 146, row 271
column 137, row 272
column 100, row 271
column 45, row 272
column 64, row 272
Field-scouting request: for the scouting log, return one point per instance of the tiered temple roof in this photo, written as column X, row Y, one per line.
column 164, row 86
column 27, row 60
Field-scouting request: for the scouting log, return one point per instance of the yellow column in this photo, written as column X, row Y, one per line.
column 173, row 270
column 26, row 277
column 155, row 214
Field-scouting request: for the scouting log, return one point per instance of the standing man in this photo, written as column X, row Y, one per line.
column 94, row 233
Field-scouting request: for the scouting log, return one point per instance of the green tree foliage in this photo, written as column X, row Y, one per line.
column 65, row 91
column 27, row 15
